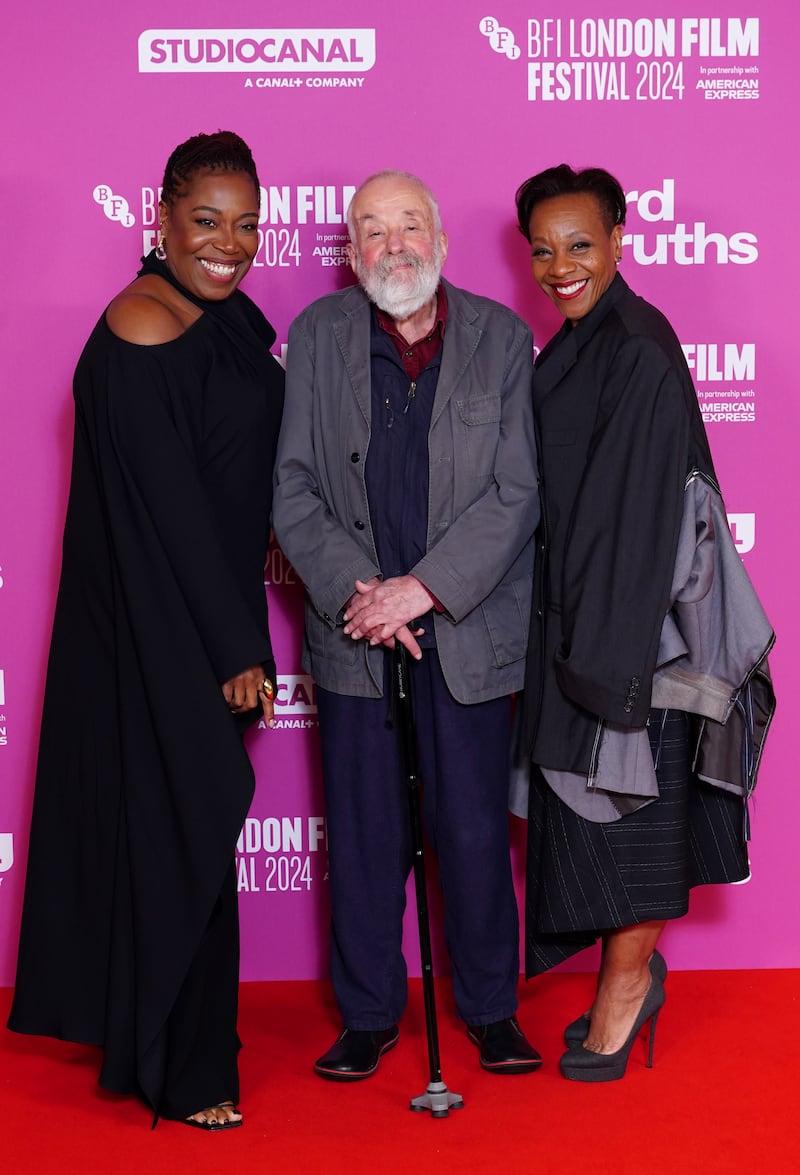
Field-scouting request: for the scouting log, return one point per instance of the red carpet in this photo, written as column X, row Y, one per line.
column 722, row 1096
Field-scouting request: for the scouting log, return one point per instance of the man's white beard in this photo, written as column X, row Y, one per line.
column 401, row 296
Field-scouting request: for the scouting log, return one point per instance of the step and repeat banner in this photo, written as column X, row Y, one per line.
column 695, row 113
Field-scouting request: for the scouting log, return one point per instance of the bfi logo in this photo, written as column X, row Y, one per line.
column 115, row 207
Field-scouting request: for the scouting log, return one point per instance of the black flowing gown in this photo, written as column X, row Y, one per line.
column 143, row 782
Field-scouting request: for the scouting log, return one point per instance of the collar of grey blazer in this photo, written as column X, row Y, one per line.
column 461, row 338
column 561, row 353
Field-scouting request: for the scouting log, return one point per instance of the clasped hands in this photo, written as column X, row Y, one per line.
column 381, row 611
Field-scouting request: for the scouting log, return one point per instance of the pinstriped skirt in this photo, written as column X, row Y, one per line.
column 584, row 878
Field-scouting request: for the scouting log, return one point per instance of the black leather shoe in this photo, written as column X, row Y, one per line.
column 503, row 1047
column 355, row 1055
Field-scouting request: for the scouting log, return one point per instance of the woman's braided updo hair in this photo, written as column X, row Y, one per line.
column 222, row 151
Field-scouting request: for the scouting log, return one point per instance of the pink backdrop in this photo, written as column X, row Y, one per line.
column 695, row 115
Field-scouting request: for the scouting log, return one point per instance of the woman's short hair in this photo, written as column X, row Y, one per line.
column 563, row 181
column 221, row 151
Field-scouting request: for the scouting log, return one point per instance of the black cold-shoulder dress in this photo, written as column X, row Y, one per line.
column 130, row 930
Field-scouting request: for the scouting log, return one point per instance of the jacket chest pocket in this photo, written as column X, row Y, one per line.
column 479, row 417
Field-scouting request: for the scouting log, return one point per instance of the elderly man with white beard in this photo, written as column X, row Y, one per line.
column 406, row 499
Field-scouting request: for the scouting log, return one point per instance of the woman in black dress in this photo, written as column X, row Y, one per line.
column 640, row 695
column 160, row 659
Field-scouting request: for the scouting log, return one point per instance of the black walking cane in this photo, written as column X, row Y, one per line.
column 436, row 1097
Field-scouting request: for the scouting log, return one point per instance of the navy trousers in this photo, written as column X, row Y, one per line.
column 464, row 755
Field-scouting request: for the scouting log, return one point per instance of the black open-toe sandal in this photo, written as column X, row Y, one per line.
column 228, row 1124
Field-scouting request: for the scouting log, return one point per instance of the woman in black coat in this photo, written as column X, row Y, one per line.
column 615, row 841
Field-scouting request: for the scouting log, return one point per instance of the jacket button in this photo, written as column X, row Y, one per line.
column 355, row 458
column 358, row 524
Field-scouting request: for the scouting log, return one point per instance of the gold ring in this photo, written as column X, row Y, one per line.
column 267, row 689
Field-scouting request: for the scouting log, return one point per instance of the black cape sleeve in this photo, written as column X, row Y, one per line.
column 620, row 551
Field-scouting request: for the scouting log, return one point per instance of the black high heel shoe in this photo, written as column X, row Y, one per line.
column 579, row 1064
column 576, row 1032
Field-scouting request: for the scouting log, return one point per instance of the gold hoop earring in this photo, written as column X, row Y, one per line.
column 161, row 252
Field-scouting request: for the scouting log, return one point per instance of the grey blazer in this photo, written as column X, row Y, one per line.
column 483, row 502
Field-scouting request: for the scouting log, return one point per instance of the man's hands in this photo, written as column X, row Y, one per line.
column 380, row 611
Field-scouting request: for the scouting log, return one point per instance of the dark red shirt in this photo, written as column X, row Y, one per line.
column 416, row 356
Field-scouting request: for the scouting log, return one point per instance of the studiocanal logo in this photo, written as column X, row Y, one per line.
column 295, row 703
column 259, row 51
column 618, row 59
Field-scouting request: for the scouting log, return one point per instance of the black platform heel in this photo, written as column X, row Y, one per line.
column 576, row 1032
column 579, row 1064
